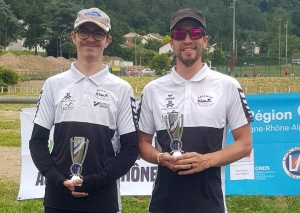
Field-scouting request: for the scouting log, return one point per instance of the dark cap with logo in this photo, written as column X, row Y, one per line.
column 187, row 13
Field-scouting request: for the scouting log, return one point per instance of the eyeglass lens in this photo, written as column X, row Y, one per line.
column 85, row 34
column 194, row 33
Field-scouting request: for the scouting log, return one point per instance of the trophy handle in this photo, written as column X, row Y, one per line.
column 71, row 149
column 181, row 125
column 86, row 149
column 168, row 126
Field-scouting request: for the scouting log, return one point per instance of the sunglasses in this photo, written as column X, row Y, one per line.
column 194, row 33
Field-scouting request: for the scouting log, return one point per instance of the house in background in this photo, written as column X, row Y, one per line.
column 155, row 36
column 295, row 58
column 130, row 37
column 151, row 36
column 18, row 46
column 128, row 44
column 165, row 49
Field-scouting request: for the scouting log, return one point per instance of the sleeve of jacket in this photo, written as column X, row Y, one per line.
column 38, row 146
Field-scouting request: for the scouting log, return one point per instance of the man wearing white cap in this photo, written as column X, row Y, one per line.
column 95, row 128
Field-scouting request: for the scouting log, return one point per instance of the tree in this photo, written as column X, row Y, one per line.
column 258, row 18
column 34, row 30
column 59, row 16
column 8, row 76
column 218, row 57
column 153, row 44
column 18, row 7
column 68, row 45
column 294, row 45
column 160, row 63
column 9, row 25
column 118, row 28
column 166, row 39
column 148, row 56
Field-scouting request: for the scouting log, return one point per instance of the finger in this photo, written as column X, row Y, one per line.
column 170, row 165
column 182, row 167
column 69, row 185
column 78, row 182
column 187, row 171
column 168, row 157
column 79, row 194
column 186, row 156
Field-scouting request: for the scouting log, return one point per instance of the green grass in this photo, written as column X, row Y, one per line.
column 10, row 136
column 139, row 204
column 10, row 124
column 10, row 204
column 265, row 71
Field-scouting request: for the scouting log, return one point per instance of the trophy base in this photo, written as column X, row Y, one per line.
column 176, row 154
column 76, row 177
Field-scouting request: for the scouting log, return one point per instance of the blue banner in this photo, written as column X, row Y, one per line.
column 276, row 147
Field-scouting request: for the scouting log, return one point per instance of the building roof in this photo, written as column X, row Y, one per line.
column 131, row 35
column 129, row 44
column 296, row 56
column 155, row 35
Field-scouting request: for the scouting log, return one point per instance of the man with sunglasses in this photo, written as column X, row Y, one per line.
column 88, row 103
column 209, row 102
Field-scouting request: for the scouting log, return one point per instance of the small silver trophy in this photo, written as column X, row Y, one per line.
column 174, row 123
column 78, row 148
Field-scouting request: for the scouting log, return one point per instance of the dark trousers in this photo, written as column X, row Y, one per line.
column 52, row 210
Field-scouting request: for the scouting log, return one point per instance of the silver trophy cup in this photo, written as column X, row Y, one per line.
column 78, row 148
column 174, row 124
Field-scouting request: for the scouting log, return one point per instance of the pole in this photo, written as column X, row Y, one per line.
column 57, row 47
column 286, row 29
column 233, row 33
column 232, row 53
column 135, row 52
column 236, row 48
column 60, row 60
column 61, row 68
column 279, row 47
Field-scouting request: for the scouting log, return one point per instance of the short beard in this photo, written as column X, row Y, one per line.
column 189, row 61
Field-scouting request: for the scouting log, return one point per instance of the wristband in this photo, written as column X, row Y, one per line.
column 158, row 158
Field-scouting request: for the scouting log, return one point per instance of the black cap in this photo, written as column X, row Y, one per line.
column 187, row 13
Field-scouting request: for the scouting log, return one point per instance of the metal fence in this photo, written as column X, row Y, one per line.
column 21, row 89
column 251, row 70
column 35, row 90
column 36, row 75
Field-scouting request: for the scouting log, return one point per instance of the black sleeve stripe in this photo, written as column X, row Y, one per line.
column 245, row 106
column 139, row 108
column 134, row 113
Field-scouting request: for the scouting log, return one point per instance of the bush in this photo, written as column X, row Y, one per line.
column 1, row 50
column 8, row 76
column 4, row 85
